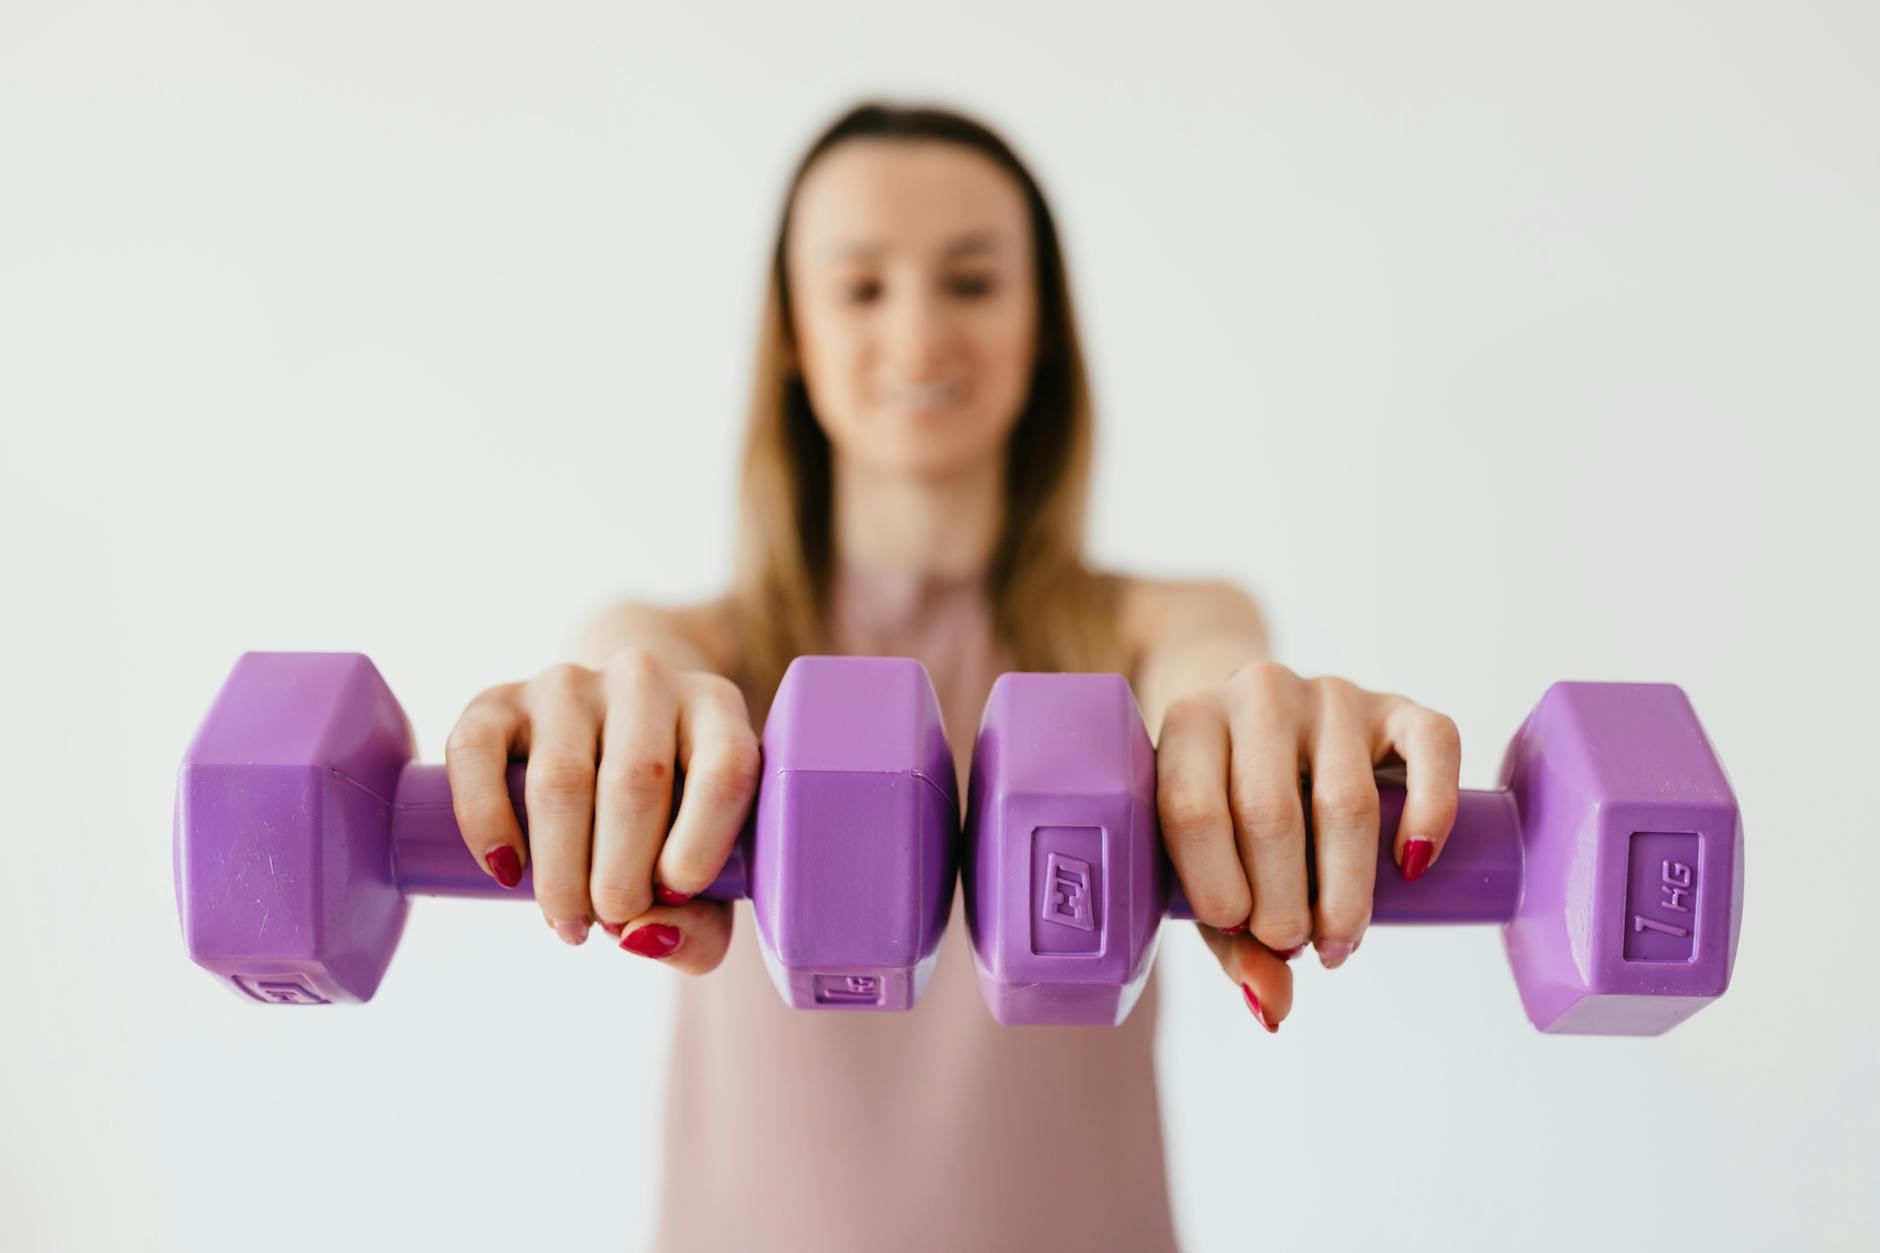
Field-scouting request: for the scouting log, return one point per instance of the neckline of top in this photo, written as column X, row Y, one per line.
column 906, row 576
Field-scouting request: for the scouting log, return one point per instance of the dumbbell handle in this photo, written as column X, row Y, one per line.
column 1477, row 879
column 431, row 859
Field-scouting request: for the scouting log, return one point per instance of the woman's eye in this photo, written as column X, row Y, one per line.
column 971, row 284
column 861, row 292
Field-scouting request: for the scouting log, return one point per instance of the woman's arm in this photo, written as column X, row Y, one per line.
column 1188, row 635
column 688, row 637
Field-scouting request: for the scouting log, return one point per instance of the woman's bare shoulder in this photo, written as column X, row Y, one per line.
column 1150, row 610
column 698, row 635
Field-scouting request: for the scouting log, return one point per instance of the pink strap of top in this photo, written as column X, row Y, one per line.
column 936, row 1129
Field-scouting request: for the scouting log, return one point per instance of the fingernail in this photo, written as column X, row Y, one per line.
column 504, row 864
column 1253, row 1003
column 655, row 939
column 613, row 928
column 572, row 930
column 1237, row 929
column 669, row 897
column 1287, row 955
column 1332, row 953
column 1416, row 858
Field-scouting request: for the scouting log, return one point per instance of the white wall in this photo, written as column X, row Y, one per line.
column 1489, row 344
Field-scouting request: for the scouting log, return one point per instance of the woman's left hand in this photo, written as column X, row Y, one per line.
column 1239, row 764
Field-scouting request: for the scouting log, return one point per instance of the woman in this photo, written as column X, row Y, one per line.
column 914, row 485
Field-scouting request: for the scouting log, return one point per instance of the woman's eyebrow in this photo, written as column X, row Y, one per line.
column 978, row 241
column 960, row 245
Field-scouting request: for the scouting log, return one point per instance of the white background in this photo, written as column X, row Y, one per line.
column 1487, row 344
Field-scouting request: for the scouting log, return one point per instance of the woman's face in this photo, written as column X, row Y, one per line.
column 915, row 303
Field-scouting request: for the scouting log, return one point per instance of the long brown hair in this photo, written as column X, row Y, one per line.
column 1054, row 611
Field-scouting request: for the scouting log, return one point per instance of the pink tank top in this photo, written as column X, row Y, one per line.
column 935, row 1129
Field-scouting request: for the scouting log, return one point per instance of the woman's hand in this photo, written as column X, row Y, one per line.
column 600, row 746
column 1239, row 764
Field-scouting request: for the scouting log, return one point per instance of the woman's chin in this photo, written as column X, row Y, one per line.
column 937, row 458
column 921, row 443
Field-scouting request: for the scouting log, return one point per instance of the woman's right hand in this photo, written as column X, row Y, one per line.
column 600, row 746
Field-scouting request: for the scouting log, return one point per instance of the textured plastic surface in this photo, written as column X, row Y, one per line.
column 1061, row 844
column 858, row 823
column 1612, row 854
column 302, row 824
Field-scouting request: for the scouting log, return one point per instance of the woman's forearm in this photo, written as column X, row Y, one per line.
column 1205, row 633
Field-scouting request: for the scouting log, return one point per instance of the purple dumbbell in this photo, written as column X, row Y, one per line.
column 302, row 824
column 1612, row 855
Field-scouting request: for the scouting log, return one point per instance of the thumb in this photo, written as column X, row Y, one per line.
column 692, row 938
column 1264, row 978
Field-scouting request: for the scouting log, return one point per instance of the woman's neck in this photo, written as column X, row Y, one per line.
column 943, row 528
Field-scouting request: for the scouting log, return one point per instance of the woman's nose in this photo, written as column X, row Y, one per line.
column 918, row 335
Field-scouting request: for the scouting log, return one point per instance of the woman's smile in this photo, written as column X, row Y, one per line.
column 918, row 400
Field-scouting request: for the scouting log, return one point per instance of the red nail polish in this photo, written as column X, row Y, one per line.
column 669, row 897
column 613, row 928
column 1416, row 858
column 505, row 865
column 653, row 940
column 1238, row 928
column 1287, row 955
column 1253, row 1003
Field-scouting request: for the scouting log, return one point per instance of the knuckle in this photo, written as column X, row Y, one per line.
column 641, row 777
column 721, row 690
column 1264, row 677
column 463, row 738
column 482, row 720
column 1332, row 692
column 1441, row 729
column 636, row 667
column 558, row 777
column 1334, row 685
column 729, row 772
column 615, row 900
column 492, row 702
column 562, row 679
column 560, row 892
column 1267, row 816
column 1217, row 902
column 1346, row 800
column 686, row 864
column 1190, row 811
column 1281, row 928
column 1344, row 917
column 1184, row 711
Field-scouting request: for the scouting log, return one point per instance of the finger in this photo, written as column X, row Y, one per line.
column 722, row 762
column 633, row 799
column 1345, row 815
column 1263, row 797
column 476, row 762
column 1191, row 804
column 692, row 938
column 1431, row 748
column 558, row 792
column 1265, row 980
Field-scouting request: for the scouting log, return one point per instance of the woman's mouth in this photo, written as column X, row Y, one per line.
column 922, row 398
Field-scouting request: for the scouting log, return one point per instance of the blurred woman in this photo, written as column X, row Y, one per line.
column 915, row 477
